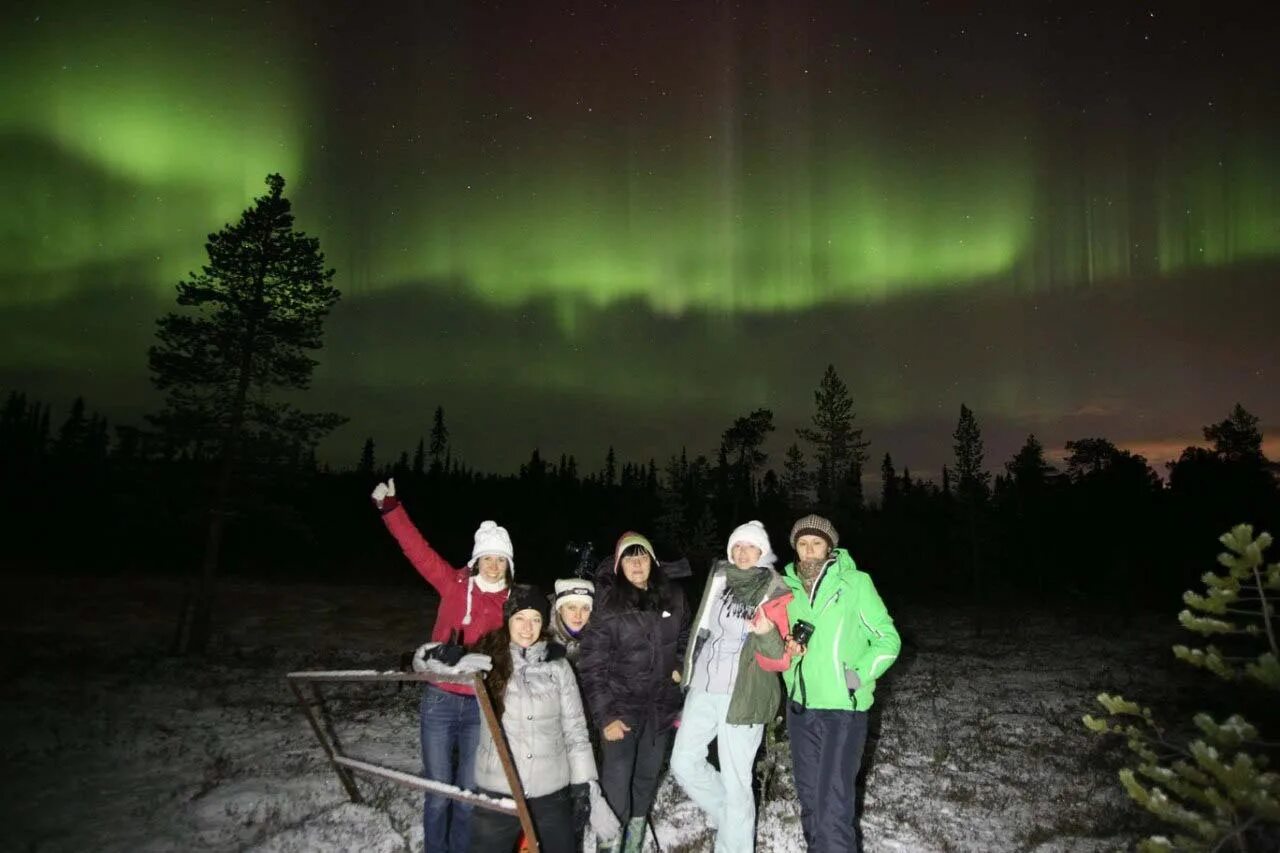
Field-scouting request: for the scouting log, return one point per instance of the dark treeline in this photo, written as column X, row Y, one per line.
column 81, row 496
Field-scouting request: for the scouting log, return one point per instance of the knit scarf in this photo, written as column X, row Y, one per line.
column 808, row 571
column 744, row 589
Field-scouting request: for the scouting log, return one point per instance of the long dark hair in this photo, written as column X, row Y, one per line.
column 624, row 595
column 497, row 645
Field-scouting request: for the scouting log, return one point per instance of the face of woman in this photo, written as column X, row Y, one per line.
column 746, row 555
column 525, row 626
column 810, row 547
column 574, row 615
column 636, row 570
column 492, row 567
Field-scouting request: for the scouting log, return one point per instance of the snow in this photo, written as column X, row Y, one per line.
column 111, row 745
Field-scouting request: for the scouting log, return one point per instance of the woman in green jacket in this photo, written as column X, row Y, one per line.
column 849, row 641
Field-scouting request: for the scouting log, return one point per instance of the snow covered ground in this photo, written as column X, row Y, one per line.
column 110, row 745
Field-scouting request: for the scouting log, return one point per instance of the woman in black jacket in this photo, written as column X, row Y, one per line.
column 630, row 671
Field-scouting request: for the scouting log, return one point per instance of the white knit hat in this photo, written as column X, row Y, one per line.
column 753, row 533
column 492, row 539
column 575, row 589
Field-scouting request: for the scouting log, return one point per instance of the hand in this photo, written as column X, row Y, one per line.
column 382, row 491
column 675, row 676
column 616, row 730
column 761, row 624
column 851, row 680
column 447, row 653
column 604, row 823
column 793, row 648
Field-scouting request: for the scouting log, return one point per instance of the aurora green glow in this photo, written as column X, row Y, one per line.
column 731, row 195
column 119, row 145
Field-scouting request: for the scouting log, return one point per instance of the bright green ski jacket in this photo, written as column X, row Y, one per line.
column 852, row 630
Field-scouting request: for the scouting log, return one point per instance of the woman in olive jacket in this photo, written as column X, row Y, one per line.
column 630, row 671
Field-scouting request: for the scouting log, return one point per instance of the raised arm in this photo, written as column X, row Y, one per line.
column 434, row 568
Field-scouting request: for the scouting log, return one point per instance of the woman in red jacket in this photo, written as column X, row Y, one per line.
column 471, row 601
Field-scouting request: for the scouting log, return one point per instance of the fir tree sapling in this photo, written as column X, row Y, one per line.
column 1215, row 787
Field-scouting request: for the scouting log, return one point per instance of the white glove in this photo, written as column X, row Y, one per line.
column 383, row 490
column 474, row 662
column 604, row 823
column 420, row 656
column 470, row 664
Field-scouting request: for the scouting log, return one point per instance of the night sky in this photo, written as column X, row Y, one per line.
column 576, row 225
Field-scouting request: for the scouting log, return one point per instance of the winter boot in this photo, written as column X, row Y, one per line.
column 635, row 835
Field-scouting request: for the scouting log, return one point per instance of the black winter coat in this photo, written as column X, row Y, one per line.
column 628, row 655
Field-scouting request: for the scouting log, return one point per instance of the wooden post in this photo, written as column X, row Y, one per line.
column 343, row 764
column 344, row 775
column 508, row 766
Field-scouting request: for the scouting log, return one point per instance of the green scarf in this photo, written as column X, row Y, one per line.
column 745, row 588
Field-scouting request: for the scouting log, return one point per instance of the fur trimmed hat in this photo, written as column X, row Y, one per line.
column 575, row 590
column 526, row 597
column 492, row 540
column 753, row 533
column 628, row 539
column 815, row 525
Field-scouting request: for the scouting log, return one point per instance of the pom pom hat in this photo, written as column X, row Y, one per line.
column 492, row 540
column 753, row 533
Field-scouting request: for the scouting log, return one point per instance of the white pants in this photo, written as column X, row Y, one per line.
column 726, row 797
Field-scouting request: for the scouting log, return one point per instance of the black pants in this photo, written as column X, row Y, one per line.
column 552, row 814
column 826, row 755
column 630, row 769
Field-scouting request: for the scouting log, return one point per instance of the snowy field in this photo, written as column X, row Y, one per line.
column 110, row 745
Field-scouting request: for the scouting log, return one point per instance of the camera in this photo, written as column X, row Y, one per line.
column 802, row 632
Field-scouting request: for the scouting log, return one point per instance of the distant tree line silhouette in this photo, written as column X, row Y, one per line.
column 1103, row 529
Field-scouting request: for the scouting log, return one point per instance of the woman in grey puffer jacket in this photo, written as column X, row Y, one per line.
column 537, row 699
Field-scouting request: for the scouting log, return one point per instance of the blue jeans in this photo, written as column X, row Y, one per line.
column 449, row 722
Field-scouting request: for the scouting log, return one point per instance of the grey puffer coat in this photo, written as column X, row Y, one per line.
column 544, row 724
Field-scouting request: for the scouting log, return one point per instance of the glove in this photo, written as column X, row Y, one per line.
column 467, row 665
column 581, row 795
column 474, row 662
column 604, row 823
column 851, row 680
column 420, row 656
column 384, row 495
column 447, row 653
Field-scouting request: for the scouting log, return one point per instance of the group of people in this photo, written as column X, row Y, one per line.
column 592, row 683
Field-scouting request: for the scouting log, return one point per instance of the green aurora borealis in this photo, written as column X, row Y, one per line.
column 712, row 177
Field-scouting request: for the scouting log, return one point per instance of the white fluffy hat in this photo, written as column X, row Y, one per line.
column 575, row 589
column 492, row 539
column 753, row 533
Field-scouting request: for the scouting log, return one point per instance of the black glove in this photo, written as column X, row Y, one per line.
column 447, row 653
column 581, row 795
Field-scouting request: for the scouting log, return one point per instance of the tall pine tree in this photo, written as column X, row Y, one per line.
column 255, row 311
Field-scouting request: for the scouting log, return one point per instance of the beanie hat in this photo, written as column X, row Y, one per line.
column 626, row 541
column 526, row 597
column 575, row 589
column 492, row 539
column 815, row 525
column 753, row 533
